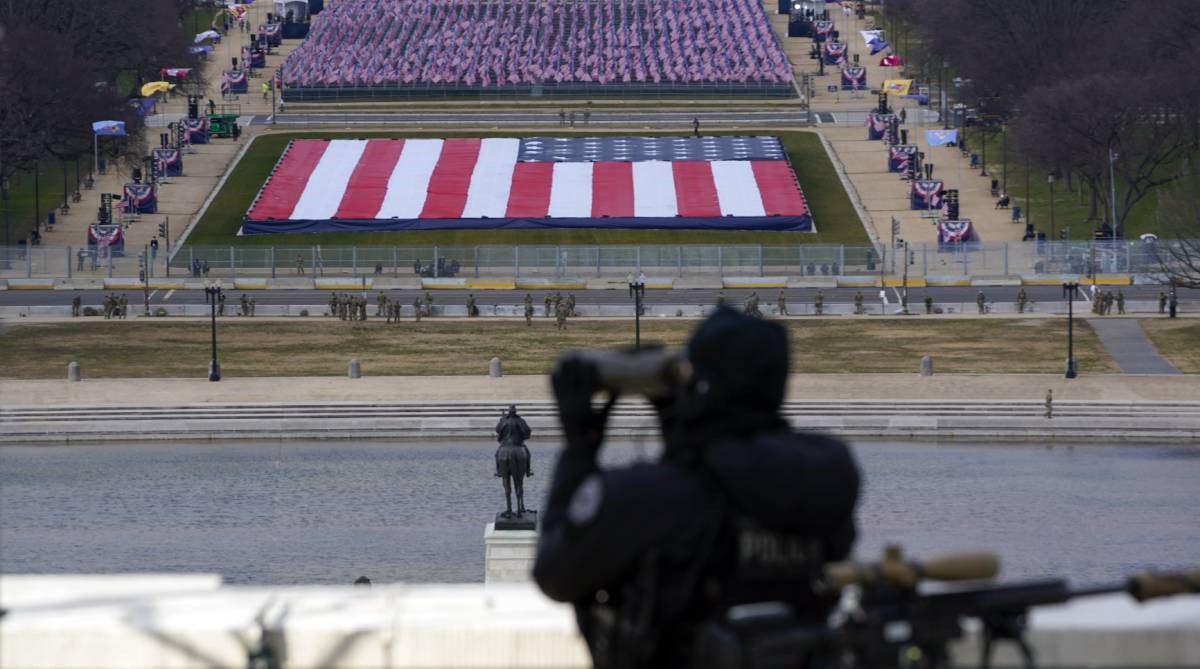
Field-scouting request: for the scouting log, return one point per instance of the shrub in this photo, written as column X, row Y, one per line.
column 304, row 312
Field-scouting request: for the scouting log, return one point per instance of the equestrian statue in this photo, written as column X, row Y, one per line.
column 512, row 458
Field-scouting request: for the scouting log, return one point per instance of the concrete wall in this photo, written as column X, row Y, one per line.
column 169, row 622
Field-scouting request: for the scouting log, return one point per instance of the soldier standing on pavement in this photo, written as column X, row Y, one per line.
column 1120, row 301
column 380, row 303
column 1021, row 299
column 418, row 308
column 557, row 301
column 75, row 306
column 1050, row 403
column 333, row 304
column 547, row 302
column 819, row 303
column 858, row 298
column 472, row 310
column 928, row 304
column 428, row 304
column 252, row 303
column 981, row 302
column 781, row 302
column 528, row 310
column 571, row 304
column 560, row 315
column 221, row 304
column 362, row 308
column 1162, row 302
column 245, row 305
column 720, row 298
column 123, row 305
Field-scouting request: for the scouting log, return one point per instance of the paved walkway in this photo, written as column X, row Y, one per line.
column 948, row 387
column 1129, row 346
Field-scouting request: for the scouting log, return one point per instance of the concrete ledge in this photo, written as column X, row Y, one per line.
column 344, row 283
column 438, row 284
column 104, row 622
column 167, row 285
column 30, row 284
column 814, row 282
column 754, row 282
column 250, row 284
column 995, row 282
column 122, row 284
column 1044, row 280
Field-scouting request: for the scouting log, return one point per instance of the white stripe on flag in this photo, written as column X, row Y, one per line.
column 737, row 189
column 492, row 179
column 409, row 184
column 571, row 190
column 327, row 184
column 654, row 189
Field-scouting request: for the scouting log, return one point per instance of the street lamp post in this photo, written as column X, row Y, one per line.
column 212, row 294
column 1050, row 179
column 637, row 290
column 1069, row 290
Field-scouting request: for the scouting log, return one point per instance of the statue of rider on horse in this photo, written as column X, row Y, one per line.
column 512, row 458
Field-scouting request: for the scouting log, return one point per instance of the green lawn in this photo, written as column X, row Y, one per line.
column 21, row 211
column 836, row 221
column 1071, row 206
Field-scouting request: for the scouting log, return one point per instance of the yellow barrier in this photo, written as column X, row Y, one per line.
column 1112, row 280
column 491, row 284
column 1041, row 282
column 899, row 283
column 948, row 282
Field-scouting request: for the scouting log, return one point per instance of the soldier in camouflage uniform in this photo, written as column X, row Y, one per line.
column 819, row 303
column 429, row 304
column 333, row 304
column 418, row 308
column 1120, row 301
column 928, row 304
column 781, row 303
column 547, row 302
column 472, row 310
column 1022, row 298
column 981, row 302
column 560, row 316
column 380, row 304
column 858, row 306
column 571, row 304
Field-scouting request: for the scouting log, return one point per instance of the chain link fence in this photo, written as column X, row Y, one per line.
column 968, row 260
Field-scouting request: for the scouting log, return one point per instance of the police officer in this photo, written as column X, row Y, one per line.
column 743, row 507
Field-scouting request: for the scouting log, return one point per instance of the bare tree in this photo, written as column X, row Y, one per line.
column 1179, row 253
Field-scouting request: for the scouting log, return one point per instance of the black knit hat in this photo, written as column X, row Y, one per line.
column 739, row 362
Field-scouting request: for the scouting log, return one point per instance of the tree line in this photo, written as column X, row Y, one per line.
column 67, row 63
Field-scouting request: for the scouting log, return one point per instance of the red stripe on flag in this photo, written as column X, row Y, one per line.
column 612, row 190
column 530, row 194
column 695, row 191
column 777, row 185
column 368, row 184
column 451, row 179
column 283, row 189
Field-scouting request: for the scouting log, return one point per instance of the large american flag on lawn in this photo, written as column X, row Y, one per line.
column 530, row 178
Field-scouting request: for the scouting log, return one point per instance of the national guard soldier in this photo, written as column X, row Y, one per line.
column 1120, row 301
column 1021, row 299
column 221, row 304
column 380, row 304
column 819, row 303
column 729, row 525
column 418, row 308
column 751, row 305
column 547, row 303
column 858, row 305
column 1162, row 302
column 75, row 306
column 571, row 304
column 108, row 306
column 1050, row 403
column 245, row 305
column 781, row 302
column 472, row 310
column 252, row 303
column 528, row 309
column 721, row 298
column 123, row 305
column 1106, row 303
column 557, row 301
column 928, row 304
column 980, row 302
column 362, row 308
column 333, row 304
column 529, row 301
column 429, row 304
column 560, row 315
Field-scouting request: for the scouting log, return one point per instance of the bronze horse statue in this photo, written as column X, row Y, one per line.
column 512, row 457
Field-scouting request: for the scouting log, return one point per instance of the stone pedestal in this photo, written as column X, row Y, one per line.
column 508, row 555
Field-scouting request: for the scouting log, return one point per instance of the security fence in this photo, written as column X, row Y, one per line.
column 967, row 260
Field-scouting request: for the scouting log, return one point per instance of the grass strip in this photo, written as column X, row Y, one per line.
column 320, row 346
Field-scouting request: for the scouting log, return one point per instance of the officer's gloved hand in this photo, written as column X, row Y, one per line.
column 575, row 382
